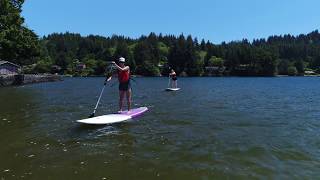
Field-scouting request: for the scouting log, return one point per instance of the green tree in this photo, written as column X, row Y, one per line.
column 194, row 66
column 144, row 58
column 203, row 45
column 215, row 61
column 163, row 52
column 176, row 57
column 43, row 65
column 299, row 64
column 17, row 43
column 292, row 71
column 265, row 63
column 283, row 66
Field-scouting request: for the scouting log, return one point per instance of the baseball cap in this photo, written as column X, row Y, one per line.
column 122, row 59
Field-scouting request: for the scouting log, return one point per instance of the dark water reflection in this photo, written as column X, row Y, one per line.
column 212, row 128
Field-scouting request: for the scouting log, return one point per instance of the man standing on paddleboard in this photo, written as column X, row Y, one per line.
column 124, row 82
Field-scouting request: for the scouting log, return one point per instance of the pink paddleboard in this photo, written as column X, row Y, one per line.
column 135, row 112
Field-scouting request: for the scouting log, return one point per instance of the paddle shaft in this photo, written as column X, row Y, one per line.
column 94, row 111
column 95, row 108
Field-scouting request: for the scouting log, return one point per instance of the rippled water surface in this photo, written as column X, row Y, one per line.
column 212, row 128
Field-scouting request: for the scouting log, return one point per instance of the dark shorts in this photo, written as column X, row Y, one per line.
column 124, row 86
column 174, row 79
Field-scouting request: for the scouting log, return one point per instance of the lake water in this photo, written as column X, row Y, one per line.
column 212, row 128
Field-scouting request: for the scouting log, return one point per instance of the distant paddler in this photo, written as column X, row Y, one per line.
column 174, row 79
column 124, row 82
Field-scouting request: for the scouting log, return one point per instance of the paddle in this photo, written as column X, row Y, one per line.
column 104, row 85
column 94, row 111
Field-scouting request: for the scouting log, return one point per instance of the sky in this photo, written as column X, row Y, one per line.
column 213, row 20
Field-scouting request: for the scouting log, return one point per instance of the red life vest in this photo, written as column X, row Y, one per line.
column 123, row 76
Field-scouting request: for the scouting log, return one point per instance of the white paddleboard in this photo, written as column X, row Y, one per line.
column 105, row 119
column 172, row 89
column 135, row 112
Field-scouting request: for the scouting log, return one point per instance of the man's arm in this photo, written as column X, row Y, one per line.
column 108, row 75
column 120, row 68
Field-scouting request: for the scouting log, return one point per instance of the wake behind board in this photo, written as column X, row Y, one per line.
column 105, row 119
column 172, row 89
column 135, row 112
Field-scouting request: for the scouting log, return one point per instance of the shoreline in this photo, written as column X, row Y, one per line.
column 22, row 79
column 139, row 76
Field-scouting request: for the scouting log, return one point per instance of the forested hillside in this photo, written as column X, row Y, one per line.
column 149, row 55
column 152, row 54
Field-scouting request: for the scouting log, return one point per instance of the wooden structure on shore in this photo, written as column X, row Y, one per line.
column 9, row 68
